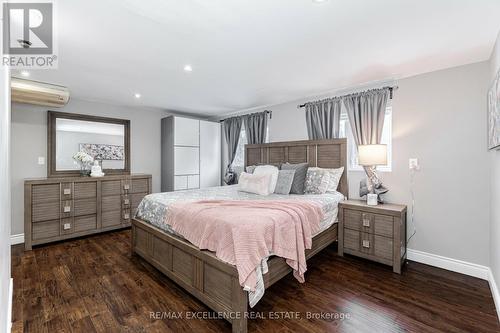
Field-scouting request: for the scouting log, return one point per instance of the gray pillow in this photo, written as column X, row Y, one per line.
column 299, row 178
column 317, row 181
column 285, row 180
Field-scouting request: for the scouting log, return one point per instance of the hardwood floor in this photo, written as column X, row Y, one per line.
column 94, row 285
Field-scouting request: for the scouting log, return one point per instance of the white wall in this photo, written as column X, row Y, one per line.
column 5, row 198
column 495, row 186
column 29, row 141
column 439, row 118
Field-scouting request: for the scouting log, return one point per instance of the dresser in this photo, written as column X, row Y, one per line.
column 190, row 153
column 68, row 207
column 376, row 233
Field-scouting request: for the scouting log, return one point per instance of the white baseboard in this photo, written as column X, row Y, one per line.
column 16, row 239
column 9, row 311
column 494, row 292
column 450, row 264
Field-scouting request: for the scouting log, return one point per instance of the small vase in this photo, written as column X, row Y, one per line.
column 84, row 170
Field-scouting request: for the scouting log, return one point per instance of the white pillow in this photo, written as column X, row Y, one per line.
column 335, row 175
column 252, row 183
column 268, row 170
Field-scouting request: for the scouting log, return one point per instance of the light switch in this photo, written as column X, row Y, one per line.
column 41, row 160
column 413, row 164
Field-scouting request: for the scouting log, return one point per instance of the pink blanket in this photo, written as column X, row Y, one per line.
column 243, row 233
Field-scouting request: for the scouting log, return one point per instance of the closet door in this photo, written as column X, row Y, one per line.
column 210, row 154
column 187, row 161
column 187, row 132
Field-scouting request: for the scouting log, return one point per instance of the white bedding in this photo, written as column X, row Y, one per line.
column 154, row 209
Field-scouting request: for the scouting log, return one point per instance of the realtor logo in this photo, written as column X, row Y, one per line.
column 28, row 35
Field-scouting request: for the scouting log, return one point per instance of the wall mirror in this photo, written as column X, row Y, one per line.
column 75, row 141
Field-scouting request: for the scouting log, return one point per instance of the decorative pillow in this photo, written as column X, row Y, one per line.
column 317, row 181
column 299, row 177
column 285, row 180
column 335, row 175
column 268, row 170
column 258, row 184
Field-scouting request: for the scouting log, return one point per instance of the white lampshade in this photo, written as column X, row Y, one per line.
column 372, row 155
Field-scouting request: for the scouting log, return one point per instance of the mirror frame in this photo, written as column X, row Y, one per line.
column 52, row 137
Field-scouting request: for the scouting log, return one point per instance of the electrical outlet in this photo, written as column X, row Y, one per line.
column 41, row 160
column 413, row 164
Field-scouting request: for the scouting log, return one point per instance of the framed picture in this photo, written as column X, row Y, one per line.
column 494, row 113
column 103, row 152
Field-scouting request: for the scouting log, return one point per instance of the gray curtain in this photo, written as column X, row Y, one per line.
column 323, row 119
column 366, row 112
column 256, row 127
column 232, row 129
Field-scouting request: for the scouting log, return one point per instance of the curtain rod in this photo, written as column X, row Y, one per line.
column 266, row 111
column 388, row 87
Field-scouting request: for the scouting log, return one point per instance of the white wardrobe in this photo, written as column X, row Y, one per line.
column 191, row 153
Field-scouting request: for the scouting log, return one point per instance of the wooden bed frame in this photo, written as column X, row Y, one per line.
column 213, row 281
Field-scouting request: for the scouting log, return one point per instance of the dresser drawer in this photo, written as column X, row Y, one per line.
column 378, row 247
column 369, row 222
column 85, row 223
column 85, row 190
column 45, row 211
column 139, row 185
column 66, row 208
column 66, row 191
column 110, row 219
column 111, row 203
column 111, row 187
column 85, row 206
column 45, row 193
column 47, row 229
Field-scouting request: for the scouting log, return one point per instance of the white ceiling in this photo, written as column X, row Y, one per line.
column 248, row 53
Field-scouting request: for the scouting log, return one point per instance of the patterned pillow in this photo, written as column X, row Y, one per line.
column 335, row 175
column 317, row 181
column 285, row 180
column 299, row 177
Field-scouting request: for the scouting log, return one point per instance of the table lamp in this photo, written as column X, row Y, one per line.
column 370, row 156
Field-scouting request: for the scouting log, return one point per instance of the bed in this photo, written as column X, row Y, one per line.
column 201, row 273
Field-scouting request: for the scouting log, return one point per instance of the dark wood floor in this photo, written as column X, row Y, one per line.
column 94, row 285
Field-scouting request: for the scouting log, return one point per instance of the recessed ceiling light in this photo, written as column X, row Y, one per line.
column 25, row 73
column 137, row 95
column 319, row 1
column 188, row 68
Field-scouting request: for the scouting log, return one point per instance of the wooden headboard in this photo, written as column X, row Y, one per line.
column 321, row 153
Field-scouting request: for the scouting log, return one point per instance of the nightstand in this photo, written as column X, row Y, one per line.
column 375, row 233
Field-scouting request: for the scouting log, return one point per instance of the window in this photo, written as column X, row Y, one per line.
column 345, row 131
column 239, row 158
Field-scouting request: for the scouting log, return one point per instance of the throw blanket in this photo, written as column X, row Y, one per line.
column 242, row 233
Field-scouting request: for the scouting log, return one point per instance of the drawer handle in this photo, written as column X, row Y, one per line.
column 366, row 243
column 67, row 191
column 126, row 187
column 366, row 223
column 67, row 209
column 126, row 216
column 67, row 226
column 126, row 202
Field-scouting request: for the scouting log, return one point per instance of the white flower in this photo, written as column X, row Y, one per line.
column 83, row 157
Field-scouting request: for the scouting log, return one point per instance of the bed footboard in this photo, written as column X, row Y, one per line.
column 200, row 273
column 207, row 278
